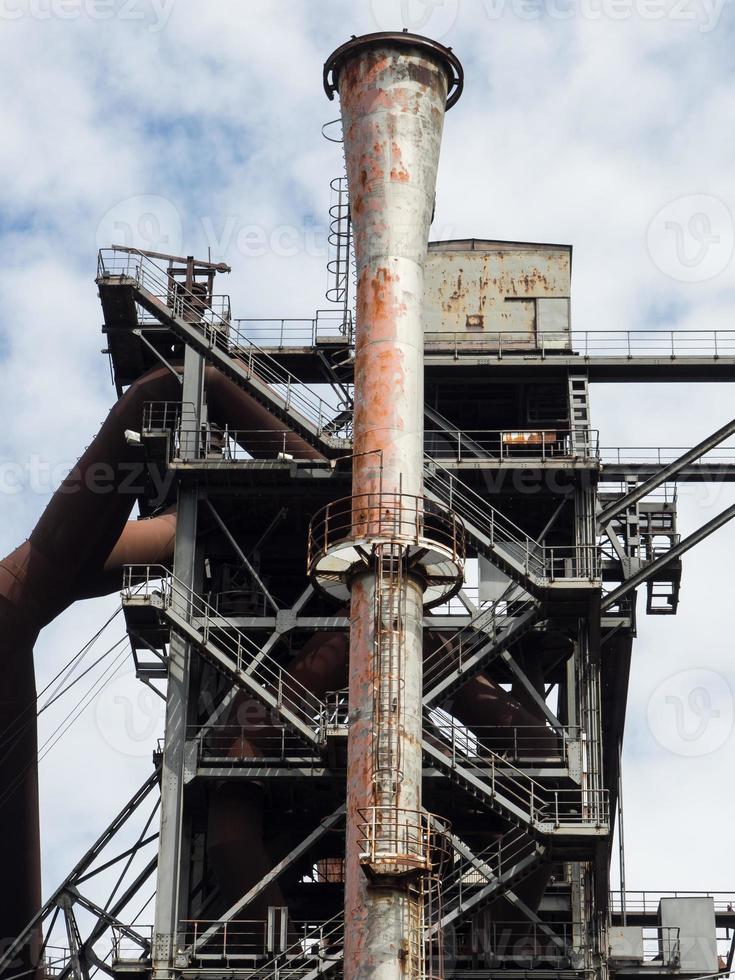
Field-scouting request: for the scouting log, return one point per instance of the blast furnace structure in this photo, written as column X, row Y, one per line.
column 388, row 594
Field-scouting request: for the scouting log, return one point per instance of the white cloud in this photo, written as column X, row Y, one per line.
column 577, row 131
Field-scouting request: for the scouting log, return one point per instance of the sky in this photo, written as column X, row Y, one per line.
column 188, row 127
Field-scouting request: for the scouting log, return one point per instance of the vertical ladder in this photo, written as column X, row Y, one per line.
column 579, row 413
column 389, row 655
column 339, row 263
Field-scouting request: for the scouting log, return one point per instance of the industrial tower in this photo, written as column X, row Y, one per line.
column 394, row 628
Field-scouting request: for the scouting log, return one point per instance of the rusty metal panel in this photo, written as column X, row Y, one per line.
column 509, row 294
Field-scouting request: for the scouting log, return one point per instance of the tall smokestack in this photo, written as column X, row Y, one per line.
column 393, row 89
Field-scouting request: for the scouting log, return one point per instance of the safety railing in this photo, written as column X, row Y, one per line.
column 156, row 583
column 465, row 445
column 326, row 327
column 162, row 416
column 402, row 519
column 488, row 626
column 550, row 562
column 587, row 344
column 662, row 945
column 126, row 942
column 466, row 875
column 254, row 744
column 395, row 841
column 218, row 332
column 219, row 304
column 227, row 445
column 527, row 743
column 336, row 713
column 648, row 901
column 55, row 961
column 543, row 807
column 255, row 941
column 663, row 455
column 520, row 945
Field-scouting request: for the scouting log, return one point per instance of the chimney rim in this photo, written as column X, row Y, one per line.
column 449, row 60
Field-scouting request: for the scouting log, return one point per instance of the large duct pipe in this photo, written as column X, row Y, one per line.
column 393, row 91
column 62, row 562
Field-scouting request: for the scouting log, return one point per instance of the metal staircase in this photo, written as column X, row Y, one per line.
column 225, row 646
column 477, row 879
column 224, row 345
column 532, row 565
column 511, row 793
column 473, row 647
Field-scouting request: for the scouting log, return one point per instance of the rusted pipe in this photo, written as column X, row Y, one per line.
column 393, row 92
column 76, row 551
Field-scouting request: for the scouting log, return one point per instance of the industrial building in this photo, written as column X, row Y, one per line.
column 386, row 583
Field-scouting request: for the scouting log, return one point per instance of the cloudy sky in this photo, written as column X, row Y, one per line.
column 177, row 125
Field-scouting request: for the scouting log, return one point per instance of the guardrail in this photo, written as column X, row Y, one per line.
column 257, row 940
column 156, row 583
column 126, row 948
column 256, row 744
column 326, row 327
column 648, row 900
column 458, row 445
column 587, row 344
column 394, row 841
column 544, row 807
column 398, row 517
column 528, row 743
column 486, row 627
column 663, row 456
column 466, row 875
column 521, row 945
column 550, row 562
column 217, row 332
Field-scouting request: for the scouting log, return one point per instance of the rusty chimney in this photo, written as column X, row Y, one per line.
column 394, row 89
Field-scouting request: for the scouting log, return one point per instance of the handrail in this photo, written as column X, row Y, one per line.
column 317, row 942
column 483, row 628
column 587, row 345
column 218, row 332
column 156, row 581
column 539, row 804
column 538, row 561
column 398, row 517
column 647, row 900
column 281, row 332
column 544, row 443
column 663, row 455
column 467, row 874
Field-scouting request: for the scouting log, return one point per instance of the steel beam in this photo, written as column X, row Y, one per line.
column 169, row 891
column 664, row 474
column 297, row 852
column 686, row 544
